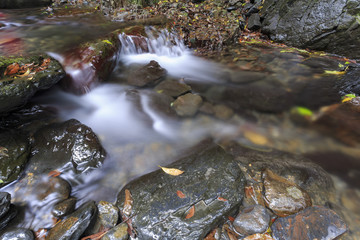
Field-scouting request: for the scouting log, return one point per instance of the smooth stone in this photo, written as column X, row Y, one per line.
column 64, row 207
column 5, row 200
column 119, row 232
column 149, row 74
column 254, row 22
column 189, row 205
column 11, row 214
column 251, row 220
column 18, row 234
column 315, row 222
column 282, row 196
column 187, row 105
column 108, row 214
column 75, row 224
column 172, row 88
column 223, row 112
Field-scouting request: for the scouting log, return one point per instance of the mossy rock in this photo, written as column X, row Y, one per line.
column 16, row 89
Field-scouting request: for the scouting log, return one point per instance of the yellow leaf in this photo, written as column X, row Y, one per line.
column 346, row 99
column 171, row 171
column 107, row 41
column 255, row 138
column 334, row 72
column 25, row 74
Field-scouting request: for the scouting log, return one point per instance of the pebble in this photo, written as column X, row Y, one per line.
column 315, row 222
column 282, row 196
column 251, row 220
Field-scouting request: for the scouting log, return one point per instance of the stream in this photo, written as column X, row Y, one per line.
column 138, row 135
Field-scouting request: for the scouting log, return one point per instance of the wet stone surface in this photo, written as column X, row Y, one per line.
column 64, row 207
column 18, row 234
column 75, row 224
column 315, row 222
column 189, row 205
column 172, row 88
column 187, row 105
column 251, row 220
column 119, row 232
column 65, row 146
column 5, row 199
column 10, row 215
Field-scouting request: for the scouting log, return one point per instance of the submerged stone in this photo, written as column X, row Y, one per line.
column 189, row 205
column 187, row 105
column 251, row 220
column 18, row 234
column 66, row 146
column 172, row 88
column 315, row 222
column 75, row 224
column 63, row 208
column 282, row 196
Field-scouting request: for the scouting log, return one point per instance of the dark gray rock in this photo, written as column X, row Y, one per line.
column 63, row 208
column 75, row 224
column 211, row 186
column 108, row 214
column 14, row 153
column 18, row 234
column 251, row 220
column 14, row 93
column 5, row 200
column 141, row 76
column 331, row 26
column 254, row 22
column 8, row 216
column 315, row 222
column 24, row 3
column 66, row 146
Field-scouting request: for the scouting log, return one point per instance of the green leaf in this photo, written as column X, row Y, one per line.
column 303, row 111
column 107, row 41
column 350, row 95
column 1, row 181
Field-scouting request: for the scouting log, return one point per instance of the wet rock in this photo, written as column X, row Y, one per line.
column 24, row 3
column 298, row 169
column 251, row 220
column 75, row 224
column 207, row 108
column 187, row 105
column 64, row 208
column 292, row 22
column 315, row 222
column 34, row 74
column 223, row 112
column 119, row 232
column 4, row 220
column 5, row 200
column 172, row 88
column 108, row 214
column 90, row 63
column 339, row 120
column 141, row 76
column 18, row 234
column 187, row 206
column 66, row 146
column 282, row 196
column 254, row 22
column 14, row 153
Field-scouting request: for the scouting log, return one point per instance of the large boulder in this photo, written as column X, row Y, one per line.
column 185, row 206
column 22, row 77
column 331, row 26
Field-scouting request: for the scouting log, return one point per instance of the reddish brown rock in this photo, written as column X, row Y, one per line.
column 315, row 222
column 282, row 196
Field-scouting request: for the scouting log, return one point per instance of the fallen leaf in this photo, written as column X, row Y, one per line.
column 222, row 199
column 107, row 41
column 255, row 138
column 12, row 69
column 25, row 74
column 231, row 219
column 127, row 209
column 172, row 171
column 96, row 236
column 211, row 235
column 180, row 194
column 54, row 173
column 191, row 212
column 303, row 111
column 45, row 62
column 334, row 72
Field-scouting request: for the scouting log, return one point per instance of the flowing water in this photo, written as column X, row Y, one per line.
column 138, row 139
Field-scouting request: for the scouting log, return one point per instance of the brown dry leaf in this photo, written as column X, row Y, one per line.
column 45, row 62
column 211, row 235
column 222, row 199
column 191, row 212
column 12, row 69
column 171, row 171
column 255, row 138
column 127, row 209
column 180, row 194
column 96, row 236
column 54, row 173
